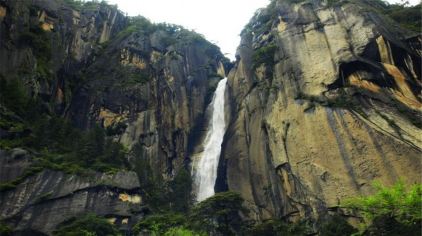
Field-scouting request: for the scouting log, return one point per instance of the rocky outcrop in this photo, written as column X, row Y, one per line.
column 144, row 83
column 43, row 41
column 45, row 199
column 152, row 88
column 325, row 99
column 147, row 85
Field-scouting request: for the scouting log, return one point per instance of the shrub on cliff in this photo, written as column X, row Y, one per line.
column 5, row 230
column 89, row 224
column 396, row 201
column 407, row 16
column 217, row 215
column 13, row 94
column 181, row 191
column 181, row 231
column 276, row 227
column 264, row 55
column 336, row 225
column 167, row 224
column 159, row 224
column 395, row 207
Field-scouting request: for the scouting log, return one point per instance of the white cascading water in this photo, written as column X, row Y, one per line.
column 206, row 169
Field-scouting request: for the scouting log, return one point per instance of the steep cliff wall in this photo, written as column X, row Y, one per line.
column 41, row 41
column 45, row 199
column 155, row 82
column 325, row 99
column 145, row 85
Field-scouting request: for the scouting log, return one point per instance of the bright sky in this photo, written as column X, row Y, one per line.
column 220, row 21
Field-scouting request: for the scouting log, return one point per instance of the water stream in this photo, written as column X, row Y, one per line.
column 206, row 169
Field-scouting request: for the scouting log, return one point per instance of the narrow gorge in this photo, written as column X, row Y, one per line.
column 113, row 125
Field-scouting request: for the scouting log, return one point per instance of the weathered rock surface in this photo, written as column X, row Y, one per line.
column 334, row 105
column 45, row 199
column 322, row 101
column 166, row 107
column 147, row 85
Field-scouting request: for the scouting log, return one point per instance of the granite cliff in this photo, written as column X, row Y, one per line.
column 324, row 99
column 88, row 65
column 104, row 113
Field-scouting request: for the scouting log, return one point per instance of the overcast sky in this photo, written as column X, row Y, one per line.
column 220, row 21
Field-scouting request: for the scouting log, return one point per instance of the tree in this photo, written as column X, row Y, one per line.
column 89, row 224
column 336, row 225
column 13, row 94
column 395, row 205
column 219, row 214
column 160, row 223
column 181, row 231
column 92, row 146
column 396, row 202
column 181, row 191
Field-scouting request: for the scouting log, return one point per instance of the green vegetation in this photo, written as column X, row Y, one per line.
column 407, row 16
column 263, row 20
column 7, row 186
column 159, row 224
column 75, row 4
column 181, row 191
column 264, row 55
column 13, row 95
column 12, row 184
column 83, row 4
column 219, row 215
column 181, row 231
column 388, row 226
column 162, row 196
column 170, row 224
column 88, row 224
column 138, row 77
column 40, row 43
column 336, row 225
column 171, row 35
column 396, row 202
column 60, row 146
column 170, row 196
column 393, row 210
column 136, row 23
column 281, row 228
column 5, row 230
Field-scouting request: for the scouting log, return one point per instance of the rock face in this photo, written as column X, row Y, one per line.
column 41, row 38
column 147, row 85
column 157, row 84
column 324, row 100
column 45, row 199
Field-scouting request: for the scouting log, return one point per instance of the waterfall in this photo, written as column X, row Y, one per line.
column 206, row 169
